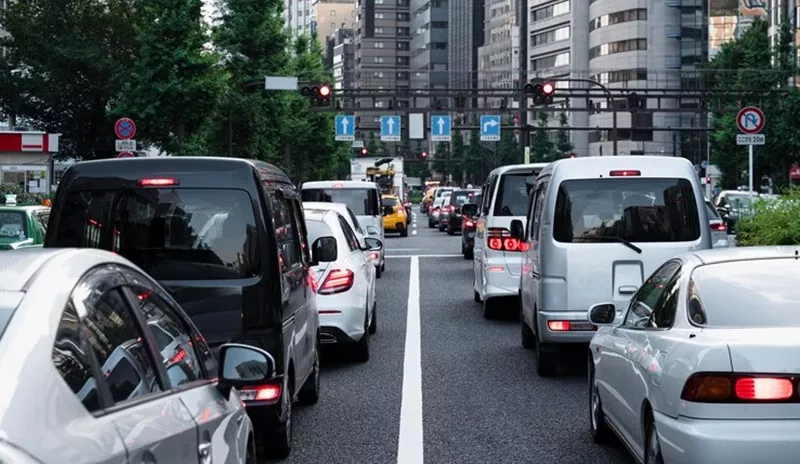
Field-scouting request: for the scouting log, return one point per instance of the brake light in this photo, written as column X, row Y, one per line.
column 738, row 388
column 338, row 281
column 374, row 256
column 558, row 326
column 499, row 239
column 338, row 186
column 445, row 209
column 624, row 173
column 158, row 182
column 261, row 393
column 179, row 356
column 718, row 227
column 469, row 223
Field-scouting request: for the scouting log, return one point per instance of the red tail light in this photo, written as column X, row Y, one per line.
column 624, row 173
column 261, row 393
column 739, row 388
column 158, row 182
column 498, row 238
column 179, row 356
column 445, row 209
column 469, row 223
column 558, row 326
column 338, row 281
column 718, row 227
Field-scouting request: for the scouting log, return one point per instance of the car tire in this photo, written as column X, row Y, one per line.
column 528, row 339
column 378, row 270
column 652, row 450
column 362, row 347
column 404, row 232
column 430, row 224
column 546, row 359
column 441, row 228
column 490, row 309
column 450, row 231
column 601, row 432
column 373, row 326
column 279, row 441
column 251, row 457
column 309, row 393
column 469, row 254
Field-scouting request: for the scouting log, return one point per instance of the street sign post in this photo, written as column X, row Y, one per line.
column 126, row 145
column 126, row 154
column 490, row 128
column 751, row 121
column 390, row 128
column 345, row 127
column 441, row 128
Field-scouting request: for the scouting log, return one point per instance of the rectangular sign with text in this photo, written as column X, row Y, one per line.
column 750, row 139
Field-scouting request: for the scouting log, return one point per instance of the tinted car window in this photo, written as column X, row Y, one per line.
column 634, row 209
column 461, row 197
column 512, row 194
column 363, row 202
column 762, row 293
column 173, row 234
column 390, row 202
column 711, row 212
column 71, row 358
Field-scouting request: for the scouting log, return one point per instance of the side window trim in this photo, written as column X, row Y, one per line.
column 637, row 296
column 348, row 232
column 672, row 285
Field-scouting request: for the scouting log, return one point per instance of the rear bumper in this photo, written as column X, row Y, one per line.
column 350, row 322
column 498, row 283
column 572, row 336
column 690, row 441
column 396, row 226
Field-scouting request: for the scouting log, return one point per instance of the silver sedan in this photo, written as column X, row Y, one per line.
column 701, row 367
column 87, row 379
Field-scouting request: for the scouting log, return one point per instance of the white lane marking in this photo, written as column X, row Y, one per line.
column 410, row 441
column 407, row 249
column 414, row 232
column 414, row 225
column 425, row 256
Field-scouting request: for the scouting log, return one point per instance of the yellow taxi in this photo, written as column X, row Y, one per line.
column 394, row 215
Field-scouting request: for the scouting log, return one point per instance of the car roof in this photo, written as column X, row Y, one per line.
column 723, row 255
column 23, row 208
column 344, row 184
column 317, row 215
column 600, row 166
column 325, row 206
column 517, row 167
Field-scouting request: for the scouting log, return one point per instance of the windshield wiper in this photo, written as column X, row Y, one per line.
column 611, row 238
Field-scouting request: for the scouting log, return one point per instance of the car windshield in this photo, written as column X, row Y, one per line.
column 363, row 202
column 173, row 234
column 631, row 209
column 13, row 224
column 754, row 293
column 512, row 194
column 317, row 229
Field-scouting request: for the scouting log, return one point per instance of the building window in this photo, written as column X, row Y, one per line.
column 624, row 75
column 378, row 15
column 379, row 30
column 555, row 35
column 552, row 61
column 378, row 59
column 378, row 75
column 618, row 18
column 557, row 9
column 402, row 46
column 403, row 17
column 621, row 46
column 403, row 60
column 378, row 44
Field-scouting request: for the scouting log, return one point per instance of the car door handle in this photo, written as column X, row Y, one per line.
column 204, row 451
column 627, row 289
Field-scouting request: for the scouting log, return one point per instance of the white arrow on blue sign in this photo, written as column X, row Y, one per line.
column 390, row 128
column 345, row 127
column 490, row 128
column 441, row 128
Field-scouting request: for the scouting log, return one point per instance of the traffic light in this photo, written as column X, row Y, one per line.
column 541, row 91
column 319, row 94
column 364, row 151
column 424, row 154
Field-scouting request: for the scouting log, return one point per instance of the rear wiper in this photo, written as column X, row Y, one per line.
column 611, row 238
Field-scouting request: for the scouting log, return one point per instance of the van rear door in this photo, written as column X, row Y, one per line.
column 363, row 201
column 511, row 202
column 611, row 233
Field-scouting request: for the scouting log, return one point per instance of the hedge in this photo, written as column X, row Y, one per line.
column 23, row 198
column 774, row 222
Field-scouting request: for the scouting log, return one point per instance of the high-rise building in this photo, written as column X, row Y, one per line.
column 498, row 57
column 465, row 36
column 428, row 60
column 330, row 15
column 297, row 16
column 3, row 6
column 382, row 44
column 342, row 58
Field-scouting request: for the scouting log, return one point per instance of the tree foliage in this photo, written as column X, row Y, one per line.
column 542, row 148
column 563, row 145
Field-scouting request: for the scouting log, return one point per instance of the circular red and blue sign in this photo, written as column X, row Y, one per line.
column 750, row 120
column 126, row 154
column 125, row 128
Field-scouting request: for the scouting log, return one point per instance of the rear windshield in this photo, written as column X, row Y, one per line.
column 390, row 202
column 317, row 229
column 711, row 212
column 173, row 234
column 512, row 194
column 363, row 202
column 441, row 192
column 633, row 209
column 13, row 224
column 756, row 293
column 461, row 197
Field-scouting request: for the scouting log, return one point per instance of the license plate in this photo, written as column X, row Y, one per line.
column 581, row 326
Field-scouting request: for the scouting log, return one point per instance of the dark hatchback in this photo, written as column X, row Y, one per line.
column 227, row 238
column 457, row 199
column 470, row 215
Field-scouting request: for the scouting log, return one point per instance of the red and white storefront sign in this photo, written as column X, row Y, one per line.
column 26, row 142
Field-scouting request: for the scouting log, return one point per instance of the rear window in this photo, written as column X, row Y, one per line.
column 317, row 229
column 441, row 192
column 390, row 202
column 756, row 293
column 363, row 202
column 173, row 234
column 711, row 212
column 512, row 194
column 13, row 224
column 461, row 197
column 632, row 209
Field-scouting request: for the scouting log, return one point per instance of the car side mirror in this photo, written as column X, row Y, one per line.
column 602, row 314
column 324, row 250
column 517, row 229
column 470, row 209
column 374, row 244
column 244, row 366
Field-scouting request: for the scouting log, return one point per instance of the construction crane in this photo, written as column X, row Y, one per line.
column 383, row 177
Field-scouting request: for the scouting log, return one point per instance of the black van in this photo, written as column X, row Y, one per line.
column 227, row 238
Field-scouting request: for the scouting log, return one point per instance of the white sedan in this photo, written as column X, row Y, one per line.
column 345, row 281
column 703, row 365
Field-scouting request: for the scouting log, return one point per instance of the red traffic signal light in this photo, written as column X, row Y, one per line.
column 319, row 94
column 363, row 152
column 424, row 154
column 541, row 91
column 548, row 88
column 324, row 91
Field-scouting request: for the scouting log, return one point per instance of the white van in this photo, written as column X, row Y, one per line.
column 363, row 198
column 497, row 258
column 596, row 227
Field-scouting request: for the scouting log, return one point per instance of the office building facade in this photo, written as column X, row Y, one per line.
column 341, row 58
column 330, row 16
column 297, row 16
column 429, row 46
column 465, row 37
column 498, row 58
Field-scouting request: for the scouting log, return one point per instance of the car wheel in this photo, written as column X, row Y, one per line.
column 441, row 228
column 490, row 308
column 450, row 231
column 652, row 451
column 251, row 457
column 469, row 254
column 601, row 432
column 404, row 232
column 373, row 326
column 279, row 442
column 528, row 339
column 545, row 359
column 378, row 270
column 362, row 348
column 430, row 224
column 309, row 393
column 383, row 266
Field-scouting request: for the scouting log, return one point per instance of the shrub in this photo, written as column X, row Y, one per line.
column 774, row 222
column 23, row 198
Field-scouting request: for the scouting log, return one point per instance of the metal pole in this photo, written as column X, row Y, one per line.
column 750, row 161
column 609, row 99
column 525, row 133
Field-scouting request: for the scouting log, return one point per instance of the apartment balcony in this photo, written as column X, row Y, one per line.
column 672, row 62
column 673, row 3
column 672, row 32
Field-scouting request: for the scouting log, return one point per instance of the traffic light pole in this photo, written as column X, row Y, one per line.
column 522, row 97
column 609, row 98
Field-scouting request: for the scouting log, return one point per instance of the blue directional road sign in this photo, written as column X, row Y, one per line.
column 441, row 128
column 490, row 128
column 345, row 127
column 390, row 128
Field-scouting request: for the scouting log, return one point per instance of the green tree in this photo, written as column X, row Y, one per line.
column 66, row 62
column 508, row 150
column 372, row 145
column 563, row 145
column 175, row 85
column 441, row 160
column 458, row 152
column 542, row 149
column 474, row 162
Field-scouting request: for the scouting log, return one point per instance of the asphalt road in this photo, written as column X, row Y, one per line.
column 471, row 393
